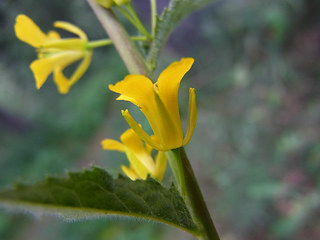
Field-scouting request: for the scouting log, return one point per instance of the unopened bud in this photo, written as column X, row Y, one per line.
column 105, row 3
column 120, row 2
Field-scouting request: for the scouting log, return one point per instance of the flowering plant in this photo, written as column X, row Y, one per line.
column 141, row 193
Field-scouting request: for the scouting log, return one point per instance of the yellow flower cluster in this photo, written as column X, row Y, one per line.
column 158, row 102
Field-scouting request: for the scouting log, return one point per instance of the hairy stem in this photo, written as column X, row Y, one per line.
column 131, row 57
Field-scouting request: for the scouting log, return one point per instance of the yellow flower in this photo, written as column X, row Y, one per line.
column 159, row 103
column 139, row 156
column 54, row 53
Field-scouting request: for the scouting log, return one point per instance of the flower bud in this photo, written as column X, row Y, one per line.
column 105, row 3
column 120, row 2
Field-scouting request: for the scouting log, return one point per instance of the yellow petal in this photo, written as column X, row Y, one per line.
column 64, row 83
column 71, row 28
column 135, row 87
column 170, row 135
column 139, row 131
column 168, row 85
column 134, row 144
column 27, row 31
column 128, row 99
column 129, row 172
column 137, row 165
column 148, row 148
column 53, row 35
column 161, row 164
column 82, row 68
column 192, row 116
column 43, row 67
column 139, row 90
column 132, row 141
column 110, row 144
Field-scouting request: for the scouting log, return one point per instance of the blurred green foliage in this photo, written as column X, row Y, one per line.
column 256, row 148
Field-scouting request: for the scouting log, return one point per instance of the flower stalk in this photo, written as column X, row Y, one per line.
column 107, row 42
column 192, row 194
column 131, row 15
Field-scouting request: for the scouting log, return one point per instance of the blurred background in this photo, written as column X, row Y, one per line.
column 256, row 147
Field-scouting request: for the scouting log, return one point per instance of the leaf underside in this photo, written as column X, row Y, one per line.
column 94, row 193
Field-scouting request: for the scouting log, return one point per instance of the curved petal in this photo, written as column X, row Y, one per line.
column 140, row 132
column 110, row 144
column 129, row 172
column 139, row 90
column 128, row 99
column 135, row 87
column 134, row 144
column 71, row 28
column 150, row 148
column 82, row 68
column 168, row 85
column 170, row 135
column 63, row 83
column 27, row 31
column 137, row 165
column 42, row 68
column 192, row 116
column 131, row 140
column 161, row 164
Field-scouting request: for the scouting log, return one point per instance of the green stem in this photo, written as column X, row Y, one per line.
column 153, row 6
column 137, row 21
column 177, row 169
column 107, row 42
column 131, row 57
column 129, row 17
column 99, row 43
column 194, row 198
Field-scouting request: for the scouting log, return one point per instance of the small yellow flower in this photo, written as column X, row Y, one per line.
column 159, row 103
column 54, row 53
column 139, row 156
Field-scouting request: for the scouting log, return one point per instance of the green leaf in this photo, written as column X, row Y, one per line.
column 166, row 23
column 94, row 193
